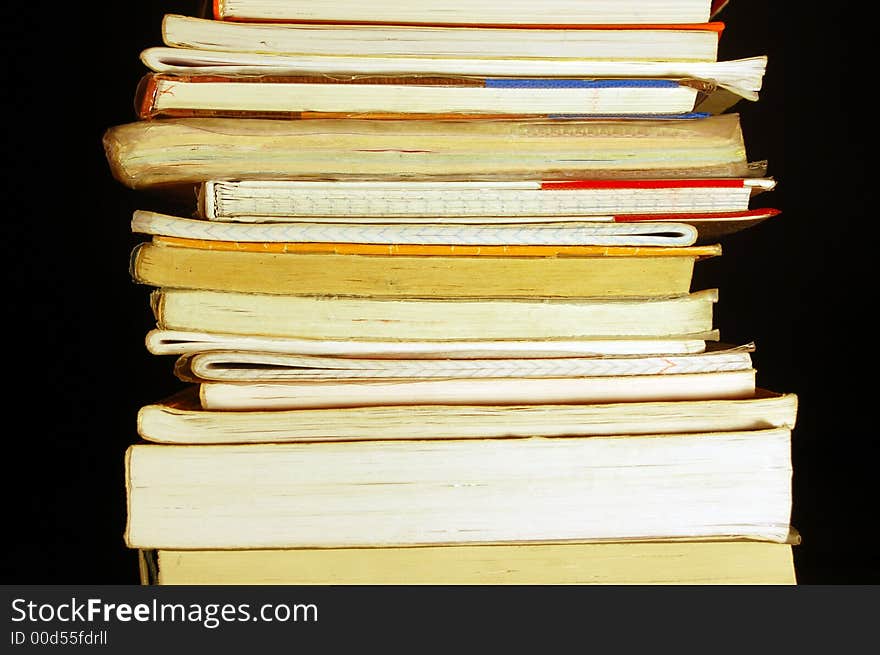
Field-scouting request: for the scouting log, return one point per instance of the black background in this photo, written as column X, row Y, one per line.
column 76, row 369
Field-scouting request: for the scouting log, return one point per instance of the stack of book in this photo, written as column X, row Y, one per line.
column 432, row 299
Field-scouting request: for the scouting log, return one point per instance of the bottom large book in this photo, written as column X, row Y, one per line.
column 721, row 485
column 657, row 562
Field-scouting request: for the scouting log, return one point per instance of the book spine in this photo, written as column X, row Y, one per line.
column 205, row 202
column 134, row 260
column 145, row 96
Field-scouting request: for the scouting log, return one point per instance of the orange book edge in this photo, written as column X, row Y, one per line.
column 145, row 96
column 441, row 250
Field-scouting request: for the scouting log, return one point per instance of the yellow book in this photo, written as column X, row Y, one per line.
column 659, row 562
column 337, row 317
column 640, row 273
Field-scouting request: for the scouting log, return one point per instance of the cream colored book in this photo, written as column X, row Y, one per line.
column 419, row 96
column 235, row 366
column 189, row 151
column 649, row 43
column 570, row 12
column 740, row 78
column 633, row 563
column 316, row 317
column 470, row 491
column 181, row 419
column 480, row 391
column 541, row 231
column 464, row 202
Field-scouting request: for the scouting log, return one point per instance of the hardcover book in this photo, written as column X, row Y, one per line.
column 189, row 151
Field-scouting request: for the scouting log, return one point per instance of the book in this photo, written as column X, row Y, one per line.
column 635, row 563
column 181, row 419
column 383, row 493
column 632, row 272
column 541, row 231
column 436, row 249
column 189, row 151
column 520, row 396
column 239, row 396
column 432, row 319
column 663, row 42
column 563, row 12
column 239, row 366
column 181, row 342
column 741, row 78
column 160, row 95
column 462, row 201
column 666, row 230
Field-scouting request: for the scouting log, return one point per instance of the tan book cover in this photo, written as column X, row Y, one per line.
column 305, row 273
column 337, row 317
column 193, row 150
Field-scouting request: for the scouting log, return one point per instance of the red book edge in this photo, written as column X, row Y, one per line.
column 684, row 218
column 641, row 184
